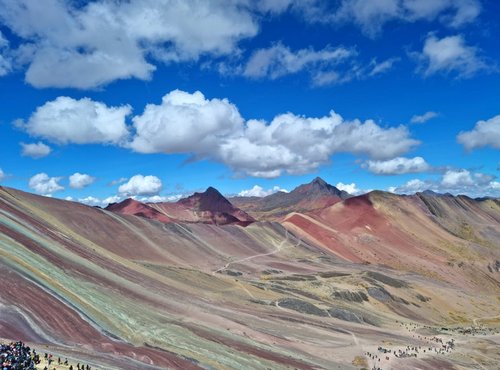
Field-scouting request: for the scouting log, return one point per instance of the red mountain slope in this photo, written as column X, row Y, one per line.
column 133, row 207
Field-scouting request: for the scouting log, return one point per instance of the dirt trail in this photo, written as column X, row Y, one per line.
column 276, row 250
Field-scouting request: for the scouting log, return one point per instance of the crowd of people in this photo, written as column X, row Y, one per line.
column 435, row 344
column 18, row 356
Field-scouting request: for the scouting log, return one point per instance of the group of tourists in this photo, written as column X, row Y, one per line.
column 18, row 356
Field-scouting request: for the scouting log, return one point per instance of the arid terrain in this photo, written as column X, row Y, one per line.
column 311, row 279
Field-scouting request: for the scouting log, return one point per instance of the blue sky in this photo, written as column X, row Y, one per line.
column 104, row 100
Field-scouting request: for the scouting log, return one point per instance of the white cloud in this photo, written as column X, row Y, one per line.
column 94, row 201
column 91, row 201
column 2, row 175
column 35, row 150
column 185, row 123
column 484, row 133
column 80, row 180
column 279, row 60
column 141, row 185
column 412, row 186
column 450, row 55
column 298, row 144
column 43, row 184
column 382, row 67
column 259, row 191
column 326, row 66
column 460, row 178
column 372, row 15
column 423, row 117
column 67, row 44
column 66, row 120
column 350, row 188
column 111, row 199
column 458, row 181
column 161, row 198
column 398, row 166
column 214, row 129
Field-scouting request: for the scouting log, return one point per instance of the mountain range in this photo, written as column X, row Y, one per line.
column 311, row 279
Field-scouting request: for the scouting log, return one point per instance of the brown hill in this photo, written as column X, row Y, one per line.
column 133, row 207
column 209, row 206
column 315, row 195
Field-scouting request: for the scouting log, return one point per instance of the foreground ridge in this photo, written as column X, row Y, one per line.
column 375, row 281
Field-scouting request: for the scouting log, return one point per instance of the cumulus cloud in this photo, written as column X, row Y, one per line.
column 184, row 123
column 424, row 117
column 412, row 186
column 398, row 166
column 350, row 188
column 94, row 201
column 111, row 199
column 141, row 185
column 2, row 175
column 450, row 55
column 66, row 120
column 259, row 191
column 454, row 181
column 372, row 15
column 457, row 178
column 43, row 184
column 91, row 201
column 80, row 180
column 213, row 129
column 161, row 198
column 484, row 133
column 35, row 150
column 69, row 44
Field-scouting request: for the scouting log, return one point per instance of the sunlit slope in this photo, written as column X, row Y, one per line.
column 130, row 292
column 456, row 239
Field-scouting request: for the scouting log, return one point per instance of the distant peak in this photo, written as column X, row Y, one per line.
column 211, row 193
column 318, row 180
column 212, row 190
column 319, row 187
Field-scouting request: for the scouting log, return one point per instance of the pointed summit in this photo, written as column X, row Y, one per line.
column 212, row 207
column 319, row 181
column 315, row 195
column 210, row 200
column 320, row 188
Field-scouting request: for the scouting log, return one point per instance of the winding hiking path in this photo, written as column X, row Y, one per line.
column 276, row 250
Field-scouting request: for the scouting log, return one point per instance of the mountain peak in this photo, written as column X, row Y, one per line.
column 319, row 181
column 211, row 199
column 319, row 187
column 212, row 192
